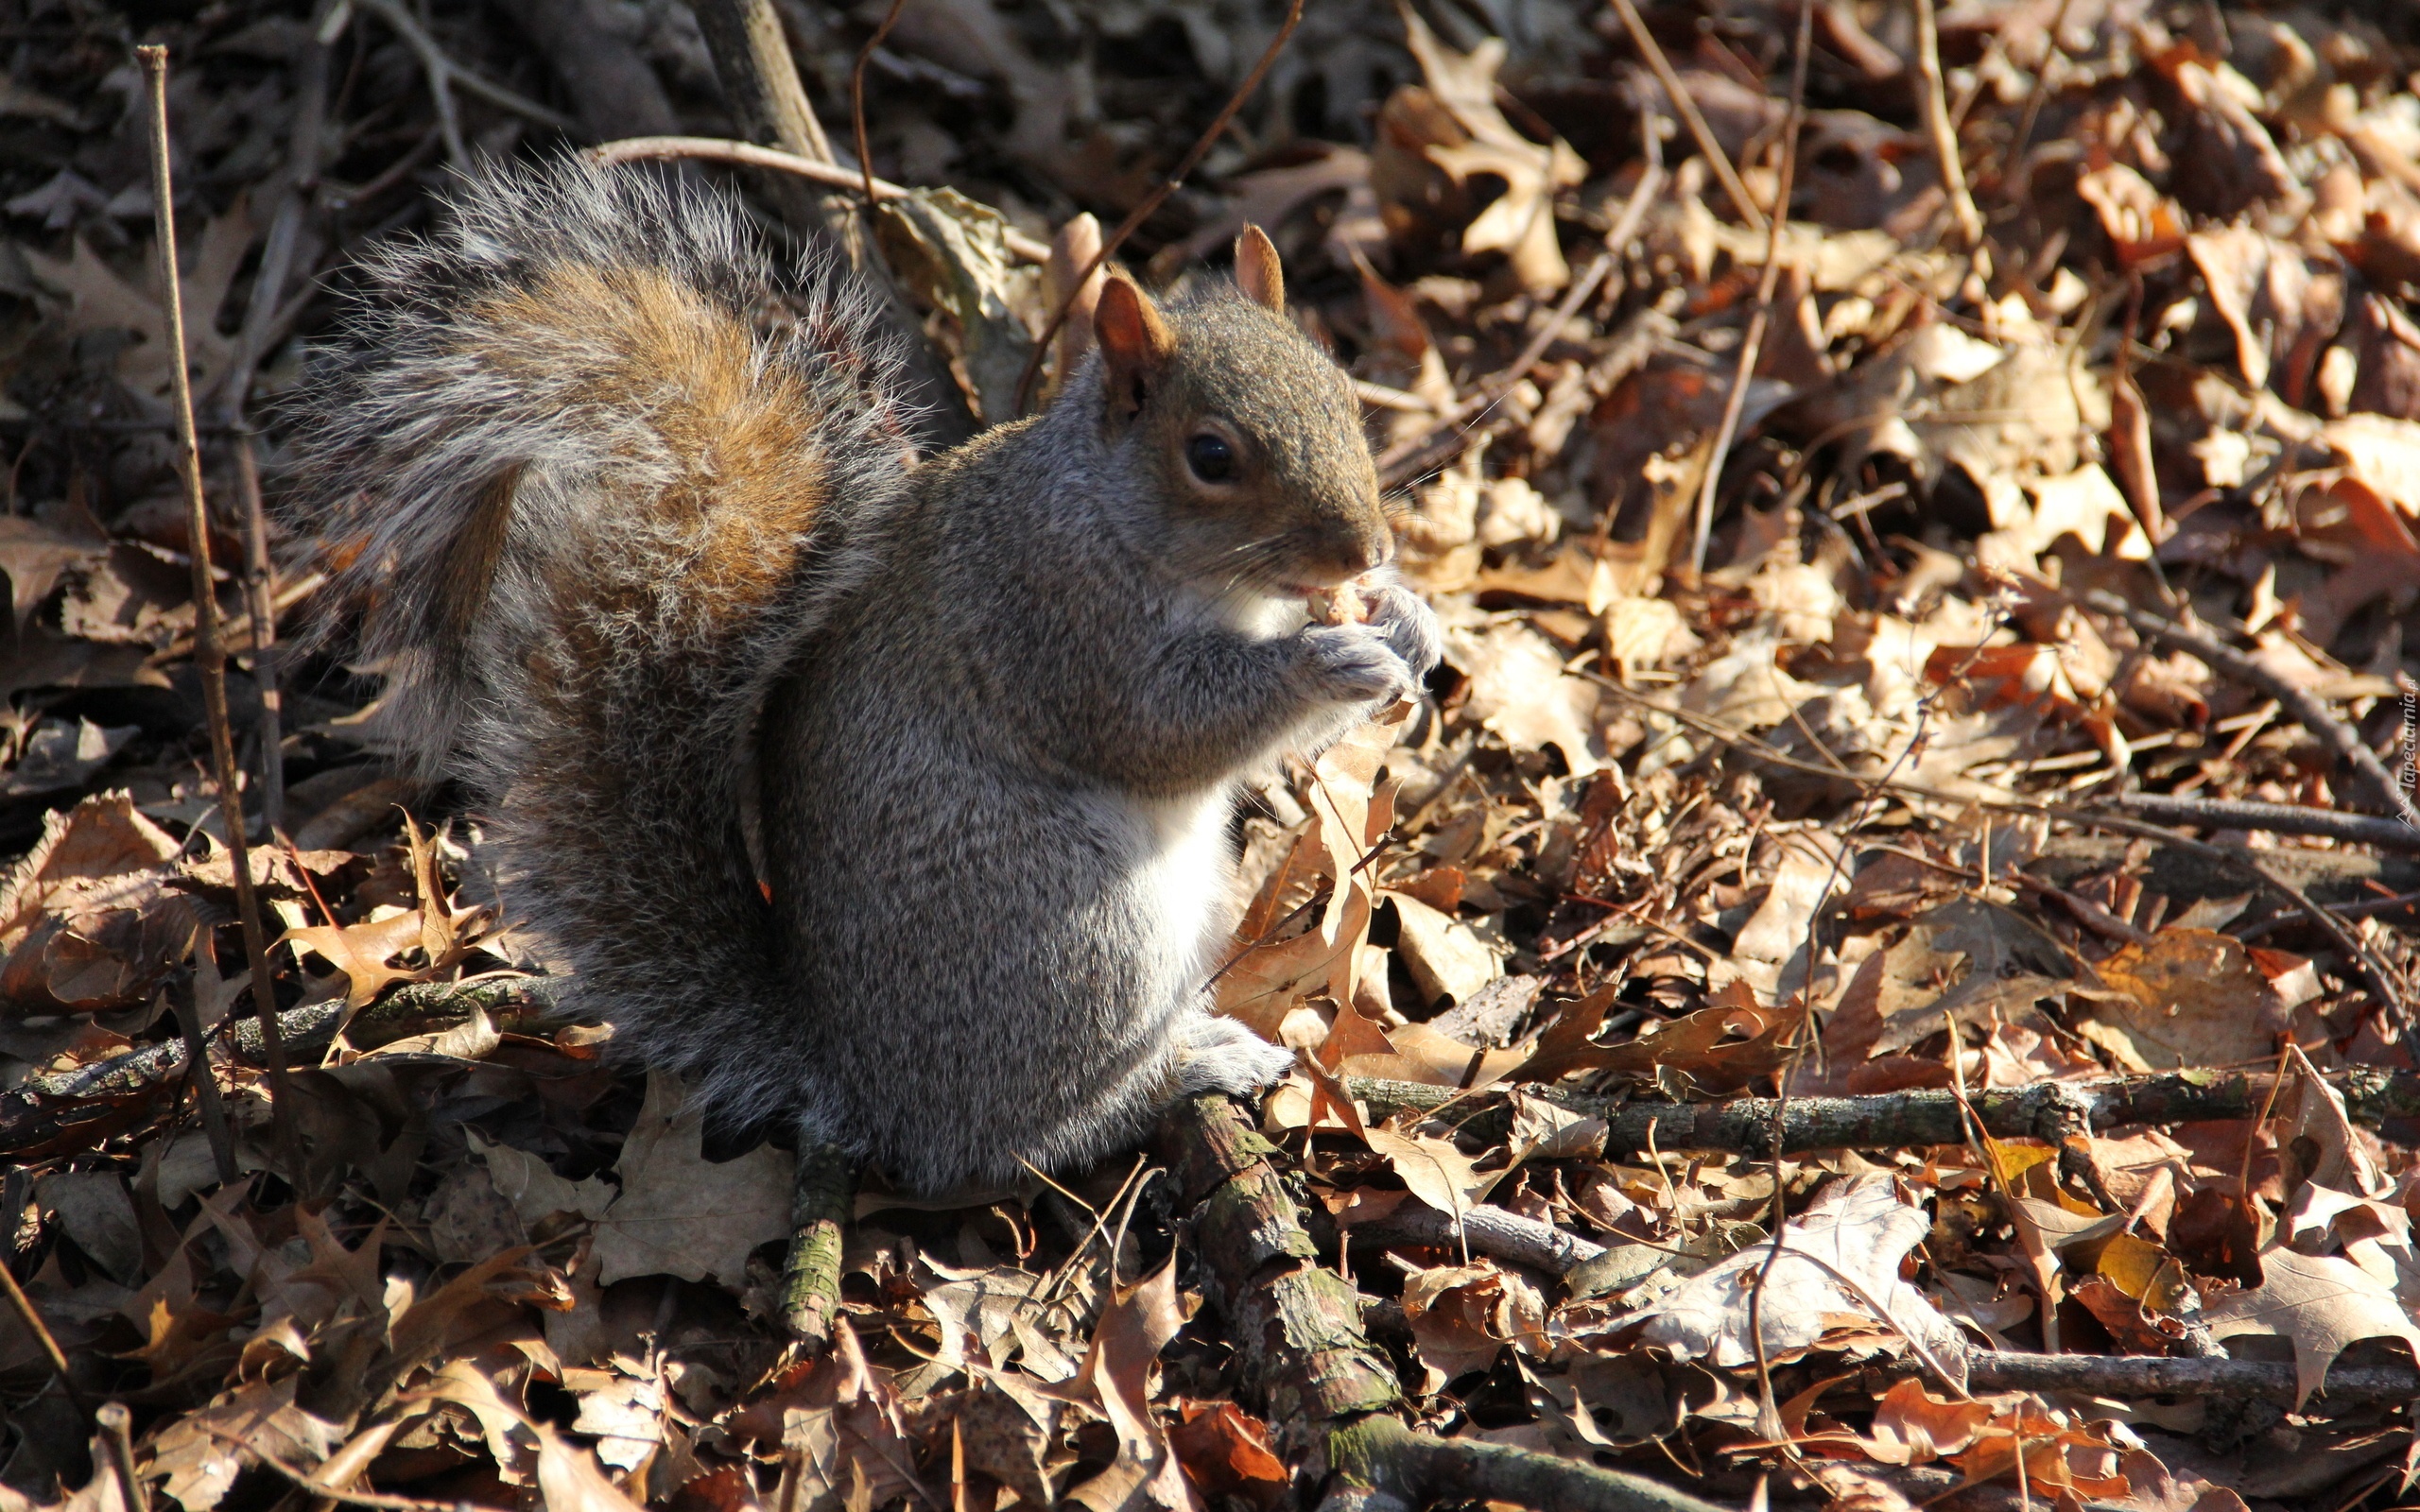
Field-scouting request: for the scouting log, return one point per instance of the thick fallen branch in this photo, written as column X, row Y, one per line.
column 1297, row 1329
column 53, row 1111
column 2047, row 1110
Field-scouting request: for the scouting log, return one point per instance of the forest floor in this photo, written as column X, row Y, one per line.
column 1883, row 972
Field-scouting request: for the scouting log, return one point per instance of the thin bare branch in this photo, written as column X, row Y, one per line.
column 749, row 154
column 1698, row 131
column 209, row 654
column 1142, row 212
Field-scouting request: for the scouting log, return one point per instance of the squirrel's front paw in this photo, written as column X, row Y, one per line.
column 1354, row 663
column 1222, row 1056
column 1410, row 627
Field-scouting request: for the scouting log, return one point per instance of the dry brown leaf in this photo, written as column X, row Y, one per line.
column 1463, row 1316
column 1520, row 691
column 2319, row 1301
column 362, row 951
column 2191, row 997
column 1438, row 1172
column 1135, row 1327
column 1520, row 222
column 101, row 836
column 681, row 1214
column 202, row 1451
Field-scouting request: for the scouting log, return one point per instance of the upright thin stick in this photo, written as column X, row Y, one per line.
column 857, row 93
column 1151, row 201
column 24, row 1307
column 209, row 654
column 1752, row 346
column 260, row 605
column 1698, row 131
column 1939, row 127
column 116, row 1428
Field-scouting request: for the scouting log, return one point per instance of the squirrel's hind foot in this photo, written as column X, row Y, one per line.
column 1222, row 1056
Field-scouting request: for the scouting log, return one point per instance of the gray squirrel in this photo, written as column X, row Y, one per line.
column 891, row 798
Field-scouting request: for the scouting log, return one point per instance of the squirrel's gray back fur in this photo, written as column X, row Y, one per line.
column 641, row 541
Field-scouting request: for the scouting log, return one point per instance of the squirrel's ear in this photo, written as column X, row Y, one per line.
column 1134, row 343
column 1258, row 272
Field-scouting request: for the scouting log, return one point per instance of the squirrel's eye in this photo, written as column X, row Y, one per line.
column 1212, row 459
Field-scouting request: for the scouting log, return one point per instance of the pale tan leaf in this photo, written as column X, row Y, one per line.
column 2320, row 1302
column 681, row 1214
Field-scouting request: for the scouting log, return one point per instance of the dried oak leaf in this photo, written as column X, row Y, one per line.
column 1135, row 1327
column 1226, row 1453
column 1463, row 1316
column 2190, row 997
column 2320, row 1302
column 1520, row 691
column 1471, row 137
column 201, row 1452
column 1858, row 1230
column 681, row 1214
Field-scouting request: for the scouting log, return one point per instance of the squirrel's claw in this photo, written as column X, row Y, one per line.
column 1410, row 627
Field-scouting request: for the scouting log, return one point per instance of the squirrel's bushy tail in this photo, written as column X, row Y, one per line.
column 589, row 464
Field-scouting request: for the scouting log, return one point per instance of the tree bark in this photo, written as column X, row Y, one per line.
column 1297, row 1329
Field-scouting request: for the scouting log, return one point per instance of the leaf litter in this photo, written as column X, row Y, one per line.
column 1866, row 810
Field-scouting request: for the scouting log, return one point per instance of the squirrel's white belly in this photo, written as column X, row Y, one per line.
column 1181, row 886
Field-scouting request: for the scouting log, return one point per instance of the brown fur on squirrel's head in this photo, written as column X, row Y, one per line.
column 1250, row 431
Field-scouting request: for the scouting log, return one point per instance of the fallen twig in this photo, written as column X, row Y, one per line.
column 2307, row 710
column 749, row 154
column 1944, row 134
column 214, row 1106
column 117, row 1432
column 32, row 1322
column 2135, row 1375
column 209, row 654
column 260, row 607
column 1297, row 1329
column 1921, row 1116
column 1687, row 108
column 2276, row 819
